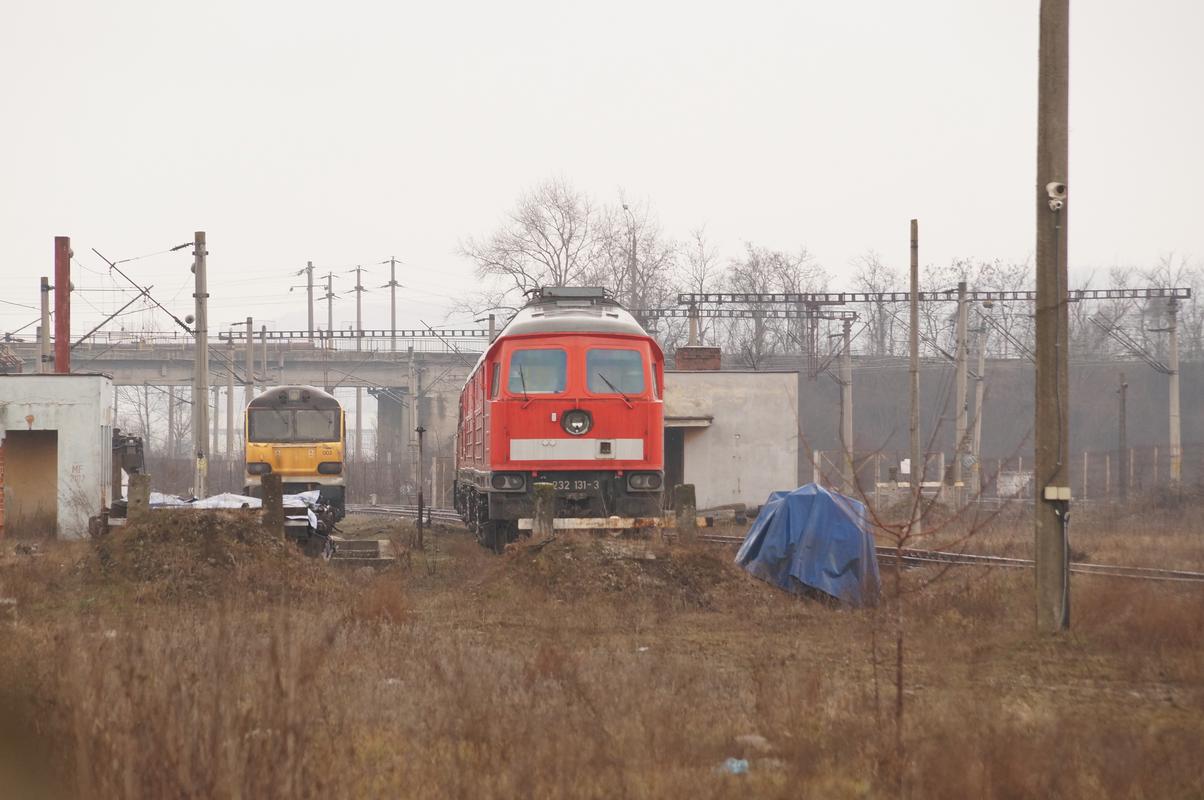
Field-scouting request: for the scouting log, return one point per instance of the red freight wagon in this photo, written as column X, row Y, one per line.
column 570, row 393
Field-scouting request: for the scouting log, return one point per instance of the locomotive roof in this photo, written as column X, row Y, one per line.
column 573, row 316
column 570, row 310
column 317, row 398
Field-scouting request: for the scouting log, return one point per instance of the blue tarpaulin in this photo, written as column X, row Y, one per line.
column 811, row 537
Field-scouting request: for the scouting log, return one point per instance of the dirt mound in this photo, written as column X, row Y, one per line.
column 191, row 554
column 580, row 567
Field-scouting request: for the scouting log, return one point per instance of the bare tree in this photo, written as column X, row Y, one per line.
column 700, row 272
column 873, row 275
column 765, row 271
column 551, row 238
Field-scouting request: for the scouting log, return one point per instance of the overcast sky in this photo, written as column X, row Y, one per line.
column 345, row 133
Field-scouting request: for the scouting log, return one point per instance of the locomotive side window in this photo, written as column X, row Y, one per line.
column 615, row 371
column 537, row 372
column 496, row 380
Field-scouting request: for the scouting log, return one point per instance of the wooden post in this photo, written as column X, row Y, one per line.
column 545, row 510
column 685, row 509
column 1107, row 474
column 273, row 504
column 138, row 503
column 1051, row 425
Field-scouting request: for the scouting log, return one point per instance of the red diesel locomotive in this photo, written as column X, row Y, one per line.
column 569, row 393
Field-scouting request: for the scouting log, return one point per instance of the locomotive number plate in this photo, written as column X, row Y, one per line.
column 575, row 485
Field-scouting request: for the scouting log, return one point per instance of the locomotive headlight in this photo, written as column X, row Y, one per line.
column 644, row 481
column 576, row 422
column 258, row 468
column 330, row 467
column 508, row 481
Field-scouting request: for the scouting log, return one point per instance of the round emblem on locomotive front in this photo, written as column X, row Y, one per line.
column 576, row 422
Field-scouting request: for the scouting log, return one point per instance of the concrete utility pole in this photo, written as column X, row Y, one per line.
column 250, row 359
column 217, row 421
column 846, row 407
column 200, row 383
column 1122, row 438
column 1051, row 431
column 1172, row 308
column 917, row 462
column 173, row 447
column 359, row 308
column 45, row 356
column 960, row 424
column 392, row 286
column 263, row 342
column 419, row 431
column 309, row 290
column 230, row 399
column 979, row 393
column 329, row 297
column 62, row 304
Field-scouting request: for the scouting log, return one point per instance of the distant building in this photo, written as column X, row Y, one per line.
column 734, row 435
column 56, row 443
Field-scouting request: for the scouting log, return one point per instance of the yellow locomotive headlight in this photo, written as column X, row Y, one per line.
column 330, row 467
column 258, row 468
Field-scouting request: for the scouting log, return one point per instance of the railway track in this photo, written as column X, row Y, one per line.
column 409, row 512
column 920, row 558
column 910, row 557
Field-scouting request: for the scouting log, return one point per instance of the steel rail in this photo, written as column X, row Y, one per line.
column 913, row 557
column 910, row 556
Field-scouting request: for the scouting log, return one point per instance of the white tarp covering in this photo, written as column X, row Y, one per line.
column 231, row 500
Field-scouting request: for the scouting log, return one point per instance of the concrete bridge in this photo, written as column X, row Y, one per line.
column 394, row 369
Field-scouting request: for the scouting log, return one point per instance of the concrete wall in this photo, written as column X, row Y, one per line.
column 750, row 447
column 80, row 409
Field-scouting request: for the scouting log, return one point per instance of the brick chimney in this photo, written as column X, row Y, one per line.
column 697, row 358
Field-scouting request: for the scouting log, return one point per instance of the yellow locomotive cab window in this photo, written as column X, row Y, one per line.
column 269, row 425
column 313, row 425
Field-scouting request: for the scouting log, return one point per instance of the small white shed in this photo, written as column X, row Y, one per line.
column 733, row 434
column 56, row 453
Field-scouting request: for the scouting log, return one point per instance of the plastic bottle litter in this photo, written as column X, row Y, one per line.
column 734, row 766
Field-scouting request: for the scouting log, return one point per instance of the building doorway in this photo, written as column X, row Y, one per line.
column 31, row 483
column 675, row 461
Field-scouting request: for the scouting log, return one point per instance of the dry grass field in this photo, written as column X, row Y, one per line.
column 192, row 661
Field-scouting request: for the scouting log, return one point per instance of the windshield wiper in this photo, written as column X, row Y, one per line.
column 626, row 399
column 522, row 376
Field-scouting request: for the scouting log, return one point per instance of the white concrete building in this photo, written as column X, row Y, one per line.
column 56, row 446
column 734, row 435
